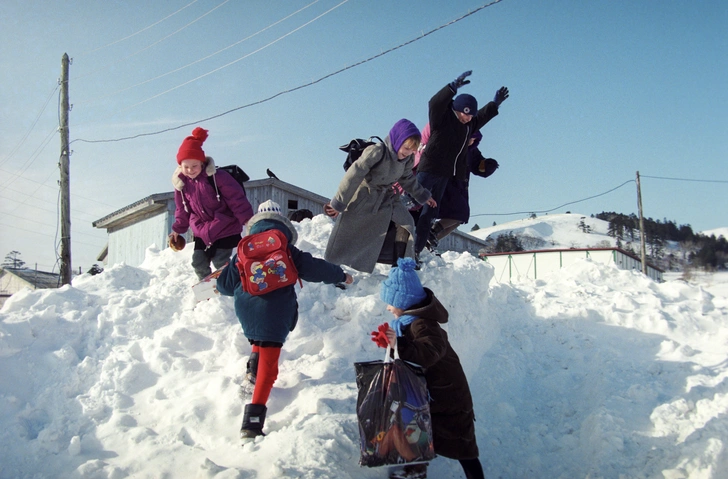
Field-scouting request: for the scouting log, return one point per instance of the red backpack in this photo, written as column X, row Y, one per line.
column 265, row 263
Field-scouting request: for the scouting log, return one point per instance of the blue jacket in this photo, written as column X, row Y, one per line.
column 271, row 316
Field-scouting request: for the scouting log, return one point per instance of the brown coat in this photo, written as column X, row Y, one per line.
column 425, row 343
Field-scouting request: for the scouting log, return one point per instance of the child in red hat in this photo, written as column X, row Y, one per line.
column 208, row 201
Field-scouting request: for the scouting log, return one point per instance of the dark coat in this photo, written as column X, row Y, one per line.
column 212, row 213
column 446, row 151
column 425, row 343
column 367, row 203
column 271, row 316
column 455, row 202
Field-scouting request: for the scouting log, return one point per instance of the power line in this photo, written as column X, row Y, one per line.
column 54, row 188
column 231, row 63
column 558, row 207
column 32, row 126
column 140, row 31
column 15, row 227
column 76, row 211
column 683, row 179
column 155, row 43
column 99, row 237
column 305, row 85
column 201, row 59
column 31, row 160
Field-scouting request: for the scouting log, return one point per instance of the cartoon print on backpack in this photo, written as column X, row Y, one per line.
column 264, row 262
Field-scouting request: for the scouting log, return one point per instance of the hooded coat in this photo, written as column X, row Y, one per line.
column 367, row 203
column 271, row 316
column 212, row 211
column 447, row 147
column 425, row 343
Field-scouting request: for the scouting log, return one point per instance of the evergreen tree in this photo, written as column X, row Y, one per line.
column 508, row 243
column 12, row 261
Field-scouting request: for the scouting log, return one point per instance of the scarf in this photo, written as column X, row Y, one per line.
column 401, row 322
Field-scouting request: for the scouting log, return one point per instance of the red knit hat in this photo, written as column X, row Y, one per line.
column 191, row 148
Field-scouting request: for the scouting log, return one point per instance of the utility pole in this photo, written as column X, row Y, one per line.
column 643, row 251
column 66, row 270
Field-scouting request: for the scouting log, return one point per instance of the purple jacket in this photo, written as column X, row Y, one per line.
column 212, row 213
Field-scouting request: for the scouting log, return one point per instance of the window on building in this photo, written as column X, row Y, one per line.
column 293, row 205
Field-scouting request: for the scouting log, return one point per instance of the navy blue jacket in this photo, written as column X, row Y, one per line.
column 271, row 316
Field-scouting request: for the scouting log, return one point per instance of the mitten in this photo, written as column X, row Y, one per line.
column 380, row 335
column 178, row 244
column 500, row 95
column 460, row 81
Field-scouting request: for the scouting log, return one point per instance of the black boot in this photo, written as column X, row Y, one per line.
column 253, row 421
column 252, row 367
column 432, row 239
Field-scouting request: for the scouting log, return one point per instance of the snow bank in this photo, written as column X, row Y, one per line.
column 592, row 371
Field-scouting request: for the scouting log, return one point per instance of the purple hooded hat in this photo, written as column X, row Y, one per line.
column 402, row 130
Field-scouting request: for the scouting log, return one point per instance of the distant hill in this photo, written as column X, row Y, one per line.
column 568, row 230
column 558, row 231
column 718, row 232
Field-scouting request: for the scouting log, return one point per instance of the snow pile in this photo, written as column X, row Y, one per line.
column 592, row 371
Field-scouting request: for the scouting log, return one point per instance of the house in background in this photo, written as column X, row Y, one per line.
column 135, row 227
column 13, row 280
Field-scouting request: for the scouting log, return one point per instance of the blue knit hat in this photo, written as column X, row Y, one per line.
column 403, row 288
column 465, row 103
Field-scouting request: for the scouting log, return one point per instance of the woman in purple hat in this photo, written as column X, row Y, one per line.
column 365, row 203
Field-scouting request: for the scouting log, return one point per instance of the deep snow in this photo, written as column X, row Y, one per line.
column 590, row 372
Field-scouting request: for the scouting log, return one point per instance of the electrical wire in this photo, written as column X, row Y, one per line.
column 140, row 31
column 151, row 45
column 305, row 85
column 558, row 207
column 99, row 237
column 230, row 63
column 32, row 126
column 55, row 188
column 683, row 179
column 31, row 160
column 85, row 102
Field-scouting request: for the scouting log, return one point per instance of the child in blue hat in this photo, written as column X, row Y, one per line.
column 418, row 337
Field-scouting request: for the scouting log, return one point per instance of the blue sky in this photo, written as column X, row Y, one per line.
column 599, row 90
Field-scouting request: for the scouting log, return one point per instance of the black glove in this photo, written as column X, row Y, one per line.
column 460, row 81
column 500, row 95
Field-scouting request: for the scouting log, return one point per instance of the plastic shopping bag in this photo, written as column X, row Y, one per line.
column 393, row 411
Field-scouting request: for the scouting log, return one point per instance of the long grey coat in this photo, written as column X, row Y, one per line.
column 368, row 203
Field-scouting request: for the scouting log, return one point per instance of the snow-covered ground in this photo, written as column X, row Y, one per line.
column 555, row 231
column 590, row 372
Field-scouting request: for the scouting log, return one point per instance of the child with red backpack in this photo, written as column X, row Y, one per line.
column 265, row 298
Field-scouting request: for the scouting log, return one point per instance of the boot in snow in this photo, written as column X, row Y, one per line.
column 253, row 421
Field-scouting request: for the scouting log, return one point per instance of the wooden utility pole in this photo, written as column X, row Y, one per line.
column 643, row 251
column 66, row 269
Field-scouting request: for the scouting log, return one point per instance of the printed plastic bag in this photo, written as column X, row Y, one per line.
column 393, row 411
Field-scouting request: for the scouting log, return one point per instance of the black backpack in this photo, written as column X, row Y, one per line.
column 355, row 147
column 235, row 171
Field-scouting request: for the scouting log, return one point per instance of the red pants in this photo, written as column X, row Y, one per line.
column 267, row 373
